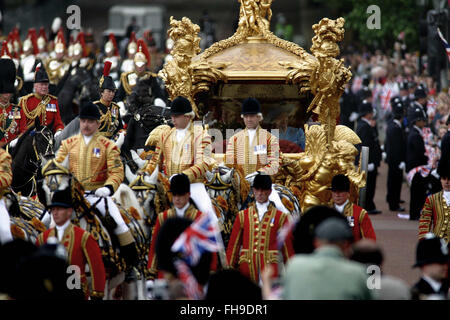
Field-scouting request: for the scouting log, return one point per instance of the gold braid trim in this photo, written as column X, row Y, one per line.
column 97, row 294
column 38, row 111
column 125, row 238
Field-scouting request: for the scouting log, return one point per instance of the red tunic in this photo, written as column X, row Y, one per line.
column 253, row 243
column 81, row 249
column 191, row 213
column 49, row 111
column 10, row 123
column 362, row 225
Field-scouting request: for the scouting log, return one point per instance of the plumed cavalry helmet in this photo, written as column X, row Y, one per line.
column 142, row 57
column 132, row 44
column 40, row 75
column 7, row 76
column 111, row 45
column 42, row 40
column 60, row 43
column 106, row 82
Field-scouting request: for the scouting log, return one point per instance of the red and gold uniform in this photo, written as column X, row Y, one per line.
column 95, row 165
column 5, row 171
column 81, row 249
column 191, row 156
column 261, row 155
column 191, row 213
column 435, row 217
column 10, row 117
column 253, row 243
column 46, row 108
column 360, row 222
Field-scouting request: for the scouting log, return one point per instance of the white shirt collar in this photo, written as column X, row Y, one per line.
column 251, row 135
column 417, row 128
column 433, row 283
column 180, row 212
column 180, row 133
column 368, row 122
column 341, row 207
column 87, row 139
column 262, row 209
column 398, row 123
column 60, row 230
column 446, row 195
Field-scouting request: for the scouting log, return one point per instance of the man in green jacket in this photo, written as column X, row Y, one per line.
column 326, row 274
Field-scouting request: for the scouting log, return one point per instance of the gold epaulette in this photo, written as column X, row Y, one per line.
column 52, row 96
column 24, row 99
column 124, row 81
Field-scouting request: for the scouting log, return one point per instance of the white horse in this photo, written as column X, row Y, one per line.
column 57, row 177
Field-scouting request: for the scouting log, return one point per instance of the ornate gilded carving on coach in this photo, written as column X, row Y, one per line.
column 312, row 171
column 254, row 23
column 181, row 76
column 177, row 73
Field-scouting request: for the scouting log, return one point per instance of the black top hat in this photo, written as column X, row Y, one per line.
column 90, row 111
column 180, row 184
column 251, row 106
column 420, row 92
column 431, row 250
column 365, row 108
column 443, row 169
column 180, row 105
column 40, row 74
column 62, row 198
column 340, row 182
column 365, row 93
column 365, row 80
column 7, row 76
column 404, row 85
column 419, row 114
column 262, row 181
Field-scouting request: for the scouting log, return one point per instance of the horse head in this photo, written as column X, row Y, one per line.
column 43, row 140
column 219, row 182
column 56, row 177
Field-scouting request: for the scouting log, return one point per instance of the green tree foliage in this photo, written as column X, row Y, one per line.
column 396, row 16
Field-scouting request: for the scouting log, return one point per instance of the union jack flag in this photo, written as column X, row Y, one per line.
column 386, row 98
column 201, row 236
column 445, row 43
column 286, row 229
column 191, row 287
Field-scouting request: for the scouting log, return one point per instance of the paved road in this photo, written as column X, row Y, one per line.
column 397, row 237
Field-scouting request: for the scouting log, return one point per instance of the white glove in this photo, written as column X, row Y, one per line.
column 13, row 143
column 120, row 139
column 353, row 116
column 102, row 192
column 250, row 177
column 58, row 133
column 371, row 167
column 401, row 166
column 435, row 174
column 384, row 155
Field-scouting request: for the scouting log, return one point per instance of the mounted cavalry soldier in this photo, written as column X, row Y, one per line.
column 95, row 161
column 59, row 65
column 254, row 150
column 186, row 148
column 41, row 104
column 111, row 54
column 110, row 121
column 141, row 65
column 10, row 113
column 28, row 59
